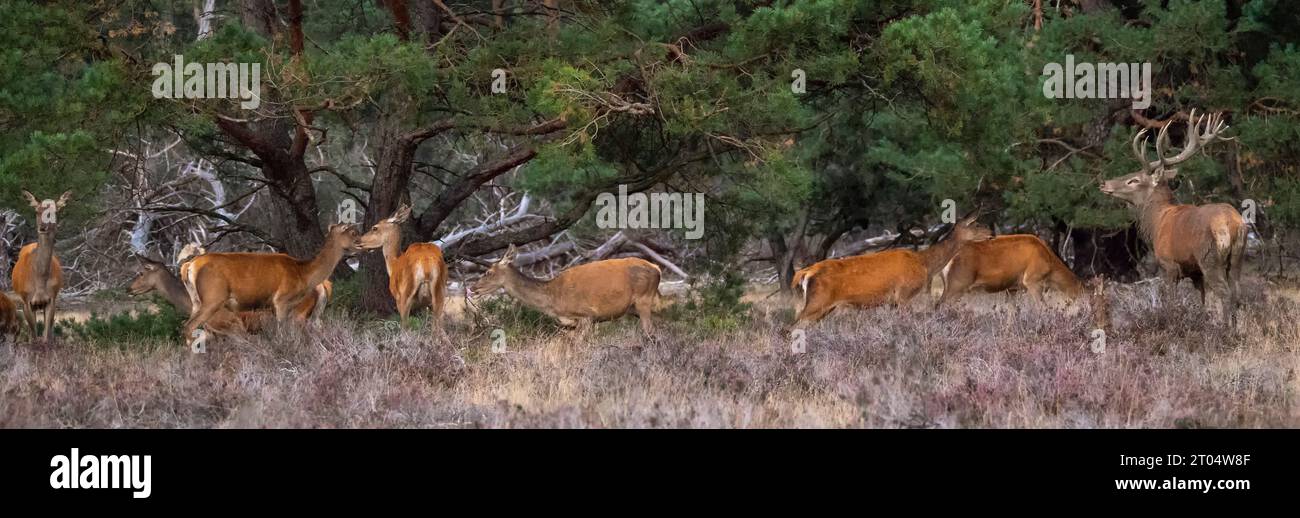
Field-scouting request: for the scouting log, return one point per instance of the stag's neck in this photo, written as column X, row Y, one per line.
column 532, row 292
column 392, row 250
column 175, row 293
column 1150, row 212
column 43, row 255
column 939, row 254
column 321, row 266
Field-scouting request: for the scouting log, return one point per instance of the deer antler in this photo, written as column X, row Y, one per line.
column 1140, row 150
column 1213, row 128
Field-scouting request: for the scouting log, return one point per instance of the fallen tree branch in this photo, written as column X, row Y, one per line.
column 660, row 259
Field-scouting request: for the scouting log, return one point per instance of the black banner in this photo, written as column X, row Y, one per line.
column 321, row 468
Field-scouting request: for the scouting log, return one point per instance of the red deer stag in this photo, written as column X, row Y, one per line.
column 37, row 276
column 581, row 295
column 1018, row 261
column 892, row 276
column 242, row 281
column 417, row 278
column 1205, row 243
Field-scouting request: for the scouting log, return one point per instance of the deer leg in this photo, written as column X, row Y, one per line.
column 49, row 317
column 1234, row 275
column 582, row 327
column 201, row 317
column 813, row 312
column 435, row 309
column 404, row 310
column 1170, row 274
column 644, row 307
column 29, row 317
column 285, row 308
column 1198, row 281
column 953, row 289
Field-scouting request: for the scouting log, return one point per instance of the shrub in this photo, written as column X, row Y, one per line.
column 515, row 318
column 163, row 323
column 715, row 307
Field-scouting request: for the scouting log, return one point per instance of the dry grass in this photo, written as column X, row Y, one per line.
column 991, row 363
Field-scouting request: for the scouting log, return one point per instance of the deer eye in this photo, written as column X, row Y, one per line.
column 1133, row 181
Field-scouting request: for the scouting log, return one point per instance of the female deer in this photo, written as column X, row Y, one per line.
column 38, row 276
column 417, row 278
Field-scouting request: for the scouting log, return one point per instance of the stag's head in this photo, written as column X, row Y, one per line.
column 343, row 236
column 969, row 229
column 1136, row 188
column 496, row 275
column 151, row 277
column 47, row 211
column 386, row 230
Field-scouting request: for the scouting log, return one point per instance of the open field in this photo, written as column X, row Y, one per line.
column 992, row 362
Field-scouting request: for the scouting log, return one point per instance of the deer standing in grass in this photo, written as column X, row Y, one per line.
column 1206, row 243
column 1018, row 261
column 37, row 276
column 584, row 294
column 892, row 276
column 155, row 277
column 417, row 278
column 243, row 281
column 311, row 307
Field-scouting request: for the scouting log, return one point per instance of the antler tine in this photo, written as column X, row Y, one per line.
column 1140, row 149
column 1162, row 143
column 1214, row 127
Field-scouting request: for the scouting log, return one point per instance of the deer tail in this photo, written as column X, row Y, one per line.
column 803, row 281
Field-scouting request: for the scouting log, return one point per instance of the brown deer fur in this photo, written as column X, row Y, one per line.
column 9, row 326
column 242, row 281
column 581, row 295
column 892, row 276
column 154, row 276
column 1008, row 262
column 417, row 278
column 1205, row 243
column 38, row 276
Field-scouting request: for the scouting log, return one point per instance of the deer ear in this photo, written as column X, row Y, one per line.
column 63, row 199
column 400, row 216
column 31, row 200
column 510, row 254
column 1167, row 174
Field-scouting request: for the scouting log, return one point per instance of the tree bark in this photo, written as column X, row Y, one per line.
column 388, row 191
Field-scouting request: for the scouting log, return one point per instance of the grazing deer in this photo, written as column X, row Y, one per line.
column 1018, row 261
column 1205, row 243
column 37, row 276
column 9, row 326
column 892, row 276
column 417, row 278
column 581, row 295
column 242, row 281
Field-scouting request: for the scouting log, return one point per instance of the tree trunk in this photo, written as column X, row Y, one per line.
column 1115, row 254
column 388, row 191
column 783, row 259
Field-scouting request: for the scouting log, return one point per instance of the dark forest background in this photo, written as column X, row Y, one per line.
column 907, row 103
